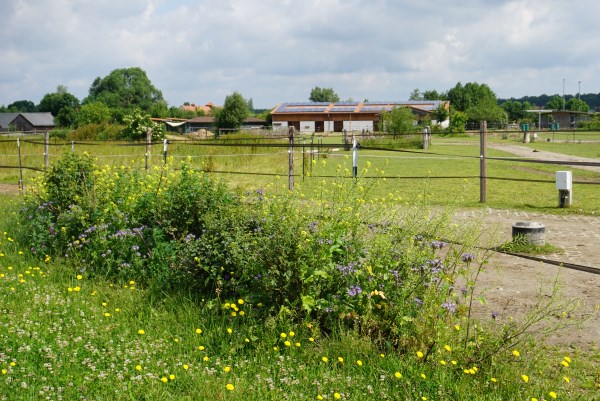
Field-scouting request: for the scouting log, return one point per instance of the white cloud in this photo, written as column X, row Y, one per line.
column 274, row 51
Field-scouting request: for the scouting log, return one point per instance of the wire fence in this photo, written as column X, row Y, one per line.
column 23, row 156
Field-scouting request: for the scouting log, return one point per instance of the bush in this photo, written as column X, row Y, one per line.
column 96, row 132
column 336, row 260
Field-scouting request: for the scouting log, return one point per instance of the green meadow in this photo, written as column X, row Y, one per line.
column 171, row 284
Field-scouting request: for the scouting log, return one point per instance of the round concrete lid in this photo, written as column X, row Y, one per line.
column 528, row 224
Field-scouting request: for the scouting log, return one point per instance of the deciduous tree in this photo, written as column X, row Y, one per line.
column 234, row 111
column 323, row 95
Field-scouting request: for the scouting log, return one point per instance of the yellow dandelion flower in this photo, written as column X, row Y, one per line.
column 138, row 367
column 566, row 358
column 325, row 359
column 287, row 343
column 283, row 335
column 442, row 362
column 227, row 369
column 382, row 355
column 359, row 362
column 198, row 331
column 229, row 330
column 13, row 363
column 552, row 394
column 171, row 377
column 164, row 379
column 242, row 313
column 456, row 327
column 291, row 334
column 453, row 362
column 205, row 359
column 79, row 277
column 234, row 313
column 447, row 348
column 275, row 348
column 230, row 387
column 419, row 354
column 298, row 344
column 319, row 397
column 534, row 399
column 565, row 364
column 423, row 376
column 525, row 378
column 186, row 367
column 201, row 347
column 493, row 380
column 4, row 371
column 141, row 332
column 516, row 353
column 77, row 289
column 240, row 301
column 311, row 339
column 398, row 375
column 424, row 398
column 106, row 314
column 340, row 359
column 117, row 309
column 566, row 379
column 337, row 396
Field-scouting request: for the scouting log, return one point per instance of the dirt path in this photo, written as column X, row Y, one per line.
column 514, row 285
column 524, row 151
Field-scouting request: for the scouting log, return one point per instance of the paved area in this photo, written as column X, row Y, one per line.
column 524, row 151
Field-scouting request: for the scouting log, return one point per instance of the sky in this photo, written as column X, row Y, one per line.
column 275, row 51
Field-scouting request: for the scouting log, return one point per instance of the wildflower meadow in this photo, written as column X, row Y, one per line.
column 125, row 284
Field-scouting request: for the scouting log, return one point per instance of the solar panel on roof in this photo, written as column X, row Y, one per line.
column 341, row 109
column 345, row 104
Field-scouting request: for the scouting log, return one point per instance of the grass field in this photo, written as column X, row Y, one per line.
column 66, row 335
column 447, row 173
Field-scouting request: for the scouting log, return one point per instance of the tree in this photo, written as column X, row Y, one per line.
column 62, row 105
column 556, row 103
column 399, row 120
column 416, row 95
column 22, row 106
column 515, row 110
column 323, row 95
column 138, row 124
column 234, row 111
column 458, row 119
column 461, row 98
column 433, row 95
column 440, row 114
column 93, row 113
column 486, row 109
column 125, row 89
column 576, row 104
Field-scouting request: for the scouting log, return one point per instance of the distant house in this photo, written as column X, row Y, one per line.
column 569, row 119
column 207, row 108
column 566, row 119
column 26, row 122
column 345, row 116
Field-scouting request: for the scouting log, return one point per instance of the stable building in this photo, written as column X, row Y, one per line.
column 345, row 116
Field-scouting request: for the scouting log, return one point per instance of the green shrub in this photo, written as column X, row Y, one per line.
column 338, row 259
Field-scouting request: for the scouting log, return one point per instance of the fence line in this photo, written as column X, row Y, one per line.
column 309, row 149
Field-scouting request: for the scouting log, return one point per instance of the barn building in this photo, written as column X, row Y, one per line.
column 26, row 122
column 345, row 116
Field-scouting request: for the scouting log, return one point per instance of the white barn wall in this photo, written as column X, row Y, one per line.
column 358, row 125
column 307, row 126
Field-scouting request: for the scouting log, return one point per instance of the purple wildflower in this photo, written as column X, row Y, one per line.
column 354, row 290
column 495, row 315
column 467, row 257
column 438, row 244
column 449, row 306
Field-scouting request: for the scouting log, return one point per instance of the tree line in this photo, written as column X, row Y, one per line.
column 128, row 92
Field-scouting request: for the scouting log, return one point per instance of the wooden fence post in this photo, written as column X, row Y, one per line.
column 148, row 142
column 46, row 148
column 291, row 159
column 482, row 157
column 354, row 157
column 20, row 168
